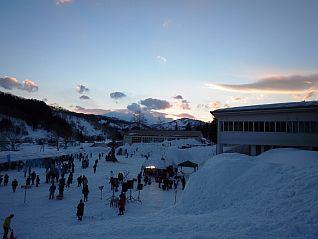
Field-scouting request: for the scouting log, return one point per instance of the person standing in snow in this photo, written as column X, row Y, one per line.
column 85, row 192
column 121, row 204
column 7, row 226
column 33, row 176
column 52, row 190
column 79, row 181
column 94, row 167
column 14, row 185
column 69, row 180
column 80, row 210
column 6, row 180
column 37, row 181
column 183, row 182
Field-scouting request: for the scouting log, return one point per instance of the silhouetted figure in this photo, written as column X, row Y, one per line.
column 14, row 185
column 6, row 179
column 37, row 181
column 52, row 190
column 80, row 210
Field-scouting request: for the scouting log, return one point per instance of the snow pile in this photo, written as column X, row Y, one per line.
column 272, row 195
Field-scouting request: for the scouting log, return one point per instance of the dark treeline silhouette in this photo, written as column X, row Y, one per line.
column 35, row 113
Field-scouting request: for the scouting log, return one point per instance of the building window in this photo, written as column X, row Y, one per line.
column 136, row 139
column 259, row 126
column 280, row 126
column 314, row 127
column 270, row 126
column 238, row 126
column 295, row 127
column 147, row 139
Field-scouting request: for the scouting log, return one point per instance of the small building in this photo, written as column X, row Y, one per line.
column 255, row 129
column 157, row 136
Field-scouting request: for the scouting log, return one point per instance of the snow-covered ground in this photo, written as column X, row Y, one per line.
column 273, row 195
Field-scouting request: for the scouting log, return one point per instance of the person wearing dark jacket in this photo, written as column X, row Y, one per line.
column 6, row 180
column 14, row 185
column 52, row 190
column 33, row 176
column 80, row 210
column 37, row 181
column 121, row 204
column 85, row 192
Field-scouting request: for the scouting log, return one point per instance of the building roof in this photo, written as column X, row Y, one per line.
column 277, row 106
column 164, row 133
column 188, row 164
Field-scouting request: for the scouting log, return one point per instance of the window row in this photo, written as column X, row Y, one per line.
column 271, row 126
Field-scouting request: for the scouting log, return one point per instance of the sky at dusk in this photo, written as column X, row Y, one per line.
column 169, row 58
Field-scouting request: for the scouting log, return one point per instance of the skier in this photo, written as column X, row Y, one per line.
column 80, row 210
column 85, row 192
column 6, row 180
column 52, row 190
column 37, row 181
column 14, row 185
column 6, row 226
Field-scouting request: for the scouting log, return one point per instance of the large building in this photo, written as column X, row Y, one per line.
column 156, row 136
column 255, row 129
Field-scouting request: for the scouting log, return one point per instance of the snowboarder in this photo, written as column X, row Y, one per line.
column 85, row 192
column 37, row 181
column 14, row 185
column 80, row 210
column 7, row 226
column 6, row 180
column 52, row 190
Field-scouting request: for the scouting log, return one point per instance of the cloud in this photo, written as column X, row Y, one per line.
column 310, row 93
column 62, row 2
column 117, row 95
column 178, row 97
column 185, row 105
column 199, row 106
column 81, row 89
column 80, row 109
column 44, row 99
column 185, row 115
column 241, row 99
column 279, row 84
column 29, row 86
column 162, row 59
column 155, row 104
column 84, row 97
column 11, row 83
column 134, row 107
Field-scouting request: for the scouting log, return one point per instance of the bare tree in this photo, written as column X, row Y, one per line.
column 139, row 118
column 11, row 137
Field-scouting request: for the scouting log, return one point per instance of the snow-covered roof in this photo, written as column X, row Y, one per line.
column 276, row 106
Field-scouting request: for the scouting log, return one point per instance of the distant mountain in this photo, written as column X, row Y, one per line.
column 180, row 124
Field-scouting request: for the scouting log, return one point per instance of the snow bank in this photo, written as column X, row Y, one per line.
column 276, row 193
